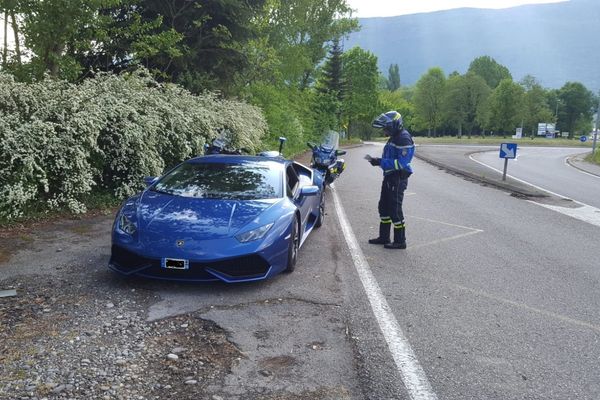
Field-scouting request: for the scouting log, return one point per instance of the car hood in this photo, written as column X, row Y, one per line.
column 162, row 216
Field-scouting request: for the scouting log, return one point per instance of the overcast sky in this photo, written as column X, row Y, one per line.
column 388, row 8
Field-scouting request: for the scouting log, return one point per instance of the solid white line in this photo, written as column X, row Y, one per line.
column 585, row 212
column 578, row 170
column 412, row 374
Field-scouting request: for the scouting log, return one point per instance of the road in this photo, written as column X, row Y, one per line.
column 497, row 297
column 494, row 298
column 547, row 168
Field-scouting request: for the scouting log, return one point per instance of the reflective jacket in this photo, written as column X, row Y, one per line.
column 397, row 155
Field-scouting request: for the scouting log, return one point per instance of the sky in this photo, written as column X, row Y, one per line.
column 389, row 8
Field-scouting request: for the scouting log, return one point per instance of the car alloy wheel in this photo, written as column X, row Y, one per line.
column 294, row 246
column 321, row 216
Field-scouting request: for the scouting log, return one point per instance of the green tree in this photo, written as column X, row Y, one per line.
column 535, row 105
column 393, row 80
column 330, row 89
column 57, row 31
column 505, row 107
column 361, row 76
column 489, row 70
column 575, row 109
column 299, row 29
column 464, row 95
column 428, row 98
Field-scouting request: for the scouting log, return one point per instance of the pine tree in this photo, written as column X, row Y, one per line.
column 331, row 80
column 393, row 81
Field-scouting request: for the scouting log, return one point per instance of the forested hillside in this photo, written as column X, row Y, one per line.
column 556, row 43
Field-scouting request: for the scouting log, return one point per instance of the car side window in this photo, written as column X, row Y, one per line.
column 292, row 181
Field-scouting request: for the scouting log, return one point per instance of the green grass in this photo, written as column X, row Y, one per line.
column 496, row 140
column 596, row 158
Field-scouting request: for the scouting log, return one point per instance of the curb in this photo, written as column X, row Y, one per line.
column 481, row 179
column 571, row 161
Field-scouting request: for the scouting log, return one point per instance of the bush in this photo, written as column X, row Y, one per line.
column 59, row 141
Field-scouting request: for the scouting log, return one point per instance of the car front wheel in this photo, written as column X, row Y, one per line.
column 294, row 246
column 321, row 216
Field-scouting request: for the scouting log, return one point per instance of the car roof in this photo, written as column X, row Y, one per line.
column 238, row 159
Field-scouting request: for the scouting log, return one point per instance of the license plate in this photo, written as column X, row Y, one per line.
column 174, row 263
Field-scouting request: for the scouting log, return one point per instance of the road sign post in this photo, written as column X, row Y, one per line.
column 507, row 151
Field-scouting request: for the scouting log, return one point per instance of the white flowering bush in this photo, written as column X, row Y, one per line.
column 60, row 141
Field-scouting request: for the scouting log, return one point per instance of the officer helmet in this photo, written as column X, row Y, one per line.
column 391, row 122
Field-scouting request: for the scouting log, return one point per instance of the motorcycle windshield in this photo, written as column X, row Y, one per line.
column 331, row 141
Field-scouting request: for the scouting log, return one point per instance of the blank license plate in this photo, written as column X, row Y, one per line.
column 173, row 263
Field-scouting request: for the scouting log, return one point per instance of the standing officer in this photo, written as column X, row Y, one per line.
column 395, row 163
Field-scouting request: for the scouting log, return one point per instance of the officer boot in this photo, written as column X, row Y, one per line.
column 399, row 239
column 384, row 234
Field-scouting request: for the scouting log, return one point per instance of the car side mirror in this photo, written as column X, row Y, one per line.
column 150, row 180
column 309, row 191
column 340, row 152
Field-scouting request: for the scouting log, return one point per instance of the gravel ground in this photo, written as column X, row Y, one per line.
column 84, row 335
column 77, row 331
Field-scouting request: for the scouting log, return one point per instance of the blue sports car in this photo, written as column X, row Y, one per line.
column 219, row 217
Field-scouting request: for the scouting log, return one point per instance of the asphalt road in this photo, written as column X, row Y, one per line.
column 497, row 297
column 547, row 168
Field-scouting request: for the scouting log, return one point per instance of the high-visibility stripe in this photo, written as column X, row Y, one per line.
column 401, row 147
column 396, row 164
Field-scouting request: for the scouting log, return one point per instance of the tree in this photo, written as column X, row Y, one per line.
column 393, row 81
column 535, row 105
column 299, row 29
column 575, row 108
column 428, row 98
column 330, row 86
column 464, row 95
column 56, row 31
column 505, row 107
column 361, row 76
column 489, row 70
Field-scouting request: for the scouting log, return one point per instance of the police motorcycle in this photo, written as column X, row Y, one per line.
column 221, row 145
column 325, row 157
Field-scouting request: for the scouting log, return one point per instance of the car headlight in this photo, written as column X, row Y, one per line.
column 126, row 225
column 254, row 234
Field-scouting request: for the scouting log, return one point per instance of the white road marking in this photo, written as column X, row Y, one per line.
column 585, row 212
column 412, row 373
column 473, row 231
column 578, row 170
column 524, row 306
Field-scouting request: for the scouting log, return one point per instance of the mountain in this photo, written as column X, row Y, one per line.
column 556, row 43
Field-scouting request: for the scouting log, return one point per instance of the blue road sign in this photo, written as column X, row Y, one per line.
column 508, row 150
column 583, row 138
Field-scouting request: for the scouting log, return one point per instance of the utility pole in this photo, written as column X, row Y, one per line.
column 596, row 128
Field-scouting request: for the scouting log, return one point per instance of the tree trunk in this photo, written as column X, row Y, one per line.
column 15, row 26
column 52, row 60
column 460, row 130
column 5, row 50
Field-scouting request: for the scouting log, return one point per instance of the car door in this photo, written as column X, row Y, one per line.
column 294, row 182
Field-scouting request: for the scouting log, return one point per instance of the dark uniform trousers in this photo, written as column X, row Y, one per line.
column 390, row 200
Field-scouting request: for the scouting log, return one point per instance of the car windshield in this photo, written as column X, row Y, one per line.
column 239, row 181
